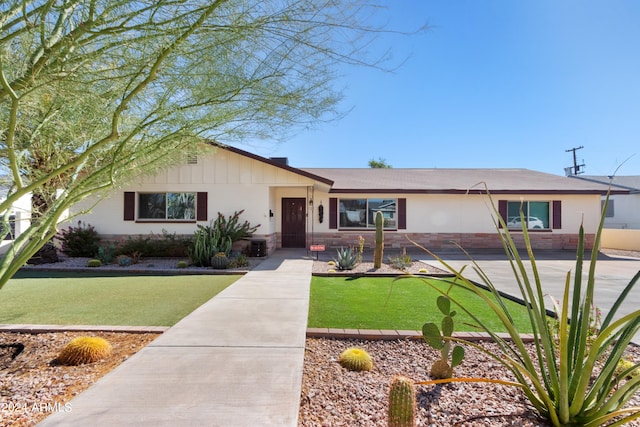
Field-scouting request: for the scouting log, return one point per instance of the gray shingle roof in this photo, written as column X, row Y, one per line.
column 630, row 182
column 348, row 180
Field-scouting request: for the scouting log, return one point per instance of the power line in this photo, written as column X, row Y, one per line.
column 576, row 169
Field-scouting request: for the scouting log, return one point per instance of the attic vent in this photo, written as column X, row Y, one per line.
column 281, row 160
column 192, row 159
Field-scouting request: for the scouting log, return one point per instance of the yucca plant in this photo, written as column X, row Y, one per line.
column 346, row 259
column 565, row 383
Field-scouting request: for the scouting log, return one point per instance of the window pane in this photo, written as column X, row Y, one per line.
column 181, row 205
column 388, row 209
column 353, row 213
column 538, row 215
column 513, row 214
column 152, row 206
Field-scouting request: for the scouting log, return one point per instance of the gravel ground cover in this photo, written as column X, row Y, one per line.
column 334, row 396
column 33, row 384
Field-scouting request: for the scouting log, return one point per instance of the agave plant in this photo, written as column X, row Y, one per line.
column 566, row 383
column 346, row 259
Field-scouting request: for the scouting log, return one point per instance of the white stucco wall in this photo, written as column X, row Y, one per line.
column 233, row 182
column 462, row 213
column 626, row 212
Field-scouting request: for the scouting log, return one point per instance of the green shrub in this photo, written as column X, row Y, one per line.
column 80, row 241
column 94, row 263
column 155, row 246
column 106, row 254
column 181, row 264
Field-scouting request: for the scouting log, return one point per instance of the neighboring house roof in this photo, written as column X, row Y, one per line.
column 629, row 182
column 454, row 181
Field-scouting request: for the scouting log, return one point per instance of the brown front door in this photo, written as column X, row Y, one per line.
column 293, row 223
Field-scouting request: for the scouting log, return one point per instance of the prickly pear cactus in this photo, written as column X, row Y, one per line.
column 441, row 340
column 402, row 402
column 379, row 247
column 356, row 359
column 441, row 370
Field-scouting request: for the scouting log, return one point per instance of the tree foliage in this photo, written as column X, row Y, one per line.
column 93, row 92
column 379, row 164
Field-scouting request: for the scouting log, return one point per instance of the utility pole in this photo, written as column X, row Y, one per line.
column 576, row 169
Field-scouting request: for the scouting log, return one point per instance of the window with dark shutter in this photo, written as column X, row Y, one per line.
column 557, row 214
column 201, row 206
column 502, row 210
column 402, row 214
column 333, row 213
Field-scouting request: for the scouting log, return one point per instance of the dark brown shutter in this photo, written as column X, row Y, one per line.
column 129, row 206
column 201, row 206
column 502, row 210
column 333, row 213
column 402, row 214
column 557, row 214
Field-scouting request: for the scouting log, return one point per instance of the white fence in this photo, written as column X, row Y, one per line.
column 625, row 239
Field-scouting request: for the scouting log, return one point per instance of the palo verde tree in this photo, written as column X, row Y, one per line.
column 94, row 92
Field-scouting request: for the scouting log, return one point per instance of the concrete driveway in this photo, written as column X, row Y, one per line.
column 612, row 275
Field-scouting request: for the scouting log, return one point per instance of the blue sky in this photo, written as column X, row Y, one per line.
column 491, row 84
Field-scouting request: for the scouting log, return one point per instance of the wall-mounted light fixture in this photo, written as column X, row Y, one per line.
column 320, row 213
column 270, row 213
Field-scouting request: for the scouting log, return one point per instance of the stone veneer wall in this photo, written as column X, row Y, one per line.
column 539, row 240
column 107, row 239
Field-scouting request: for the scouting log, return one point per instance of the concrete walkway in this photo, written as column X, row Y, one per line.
column 235, row 361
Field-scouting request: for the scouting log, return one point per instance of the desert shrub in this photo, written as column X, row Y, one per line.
column 239, row 261
column 402, row 261
column 232, row 228
column 153, row 245
column 106, row 254
column 124, row 261
column 80, row 241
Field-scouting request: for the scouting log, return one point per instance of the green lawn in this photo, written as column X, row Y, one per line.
column 87, row 299
column 380, row 303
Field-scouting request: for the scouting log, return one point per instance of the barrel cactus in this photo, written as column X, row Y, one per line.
column 83, row 350
column 220, row 261
column 402, row 402
column 356, row 359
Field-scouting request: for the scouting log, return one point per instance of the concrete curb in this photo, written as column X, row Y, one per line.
column 374, row 334
column 39, row 329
